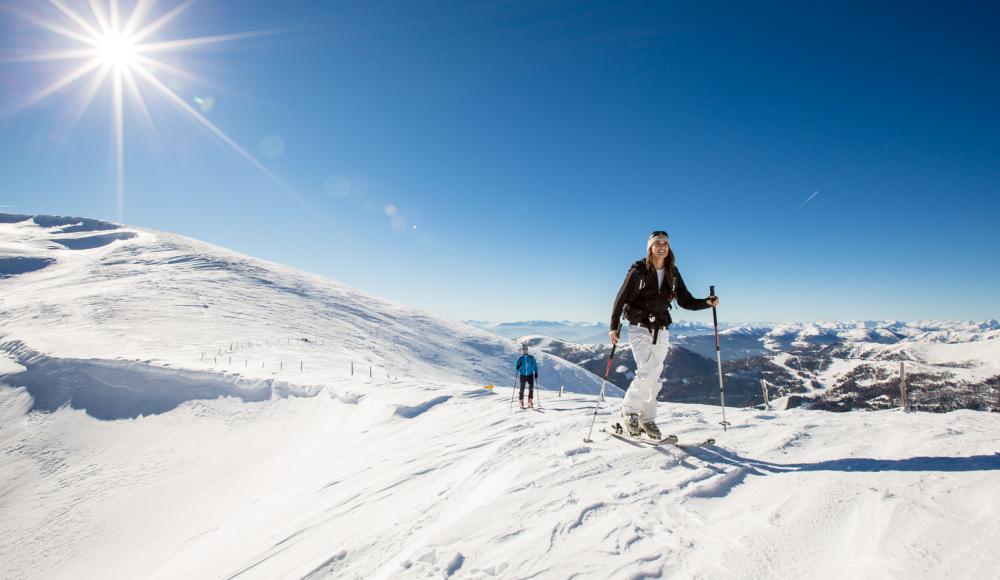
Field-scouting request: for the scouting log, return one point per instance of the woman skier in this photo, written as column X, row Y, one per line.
column 644, row 299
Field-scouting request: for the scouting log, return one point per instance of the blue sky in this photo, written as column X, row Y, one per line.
column 528, row 148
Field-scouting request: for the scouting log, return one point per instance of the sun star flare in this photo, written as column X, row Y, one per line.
column 117, row 50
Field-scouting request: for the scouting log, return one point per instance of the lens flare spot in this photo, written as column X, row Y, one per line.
column 398, row 223
column 206, row 104
column 337, row 186
column 390, row 210
column 272, row 147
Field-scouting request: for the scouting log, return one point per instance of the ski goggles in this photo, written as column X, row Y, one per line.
column 659, row 233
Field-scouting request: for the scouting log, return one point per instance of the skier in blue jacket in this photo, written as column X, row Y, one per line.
column 527, row 370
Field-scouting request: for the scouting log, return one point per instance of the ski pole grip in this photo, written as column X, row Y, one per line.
column 715, row 316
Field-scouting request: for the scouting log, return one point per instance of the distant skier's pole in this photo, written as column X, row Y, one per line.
column 512, row 391
column 604, row 381
column 718, row 359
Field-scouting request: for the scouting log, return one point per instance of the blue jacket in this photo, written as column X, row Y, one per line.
column 526, row 365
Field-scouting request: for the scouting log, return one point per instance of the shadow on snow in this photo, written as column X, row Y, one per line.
column 719, row 455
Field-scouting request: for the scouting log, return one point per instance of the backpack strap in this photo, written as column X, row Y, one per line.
column 640, row 271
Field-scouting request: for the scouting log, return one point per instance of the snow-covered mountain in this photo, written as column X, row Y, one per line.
column 740, row 339
column 688, row 377
column 842, row 367
column 578, row 332
column 170, row 409
column 81, row 290
column 587, row 332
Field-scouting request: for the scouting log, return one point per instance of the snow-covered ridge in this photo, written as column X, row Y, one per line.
column 773, row 336
column 82, row 289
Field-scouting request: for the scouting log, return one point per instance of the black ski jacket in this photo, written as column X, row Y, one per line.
column 643, row 302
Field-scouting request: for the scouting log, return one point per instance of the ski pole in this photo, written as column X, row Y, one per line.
column 604, row 381
column 718, row 359
column 512, row 391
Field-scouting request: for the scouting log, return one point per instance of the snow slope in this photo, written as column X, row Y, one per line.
column 417, row 480
column 165, row 465
column 138, row 295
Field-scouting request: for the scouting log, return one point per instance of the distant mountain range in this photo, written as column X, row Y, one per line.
column 828, row 365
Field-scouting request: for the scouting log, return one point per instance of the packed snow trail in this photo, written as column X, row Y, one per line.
column 417, row 480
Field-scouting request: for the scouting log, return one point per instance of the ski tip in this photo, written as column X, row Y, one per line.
column 710, row 442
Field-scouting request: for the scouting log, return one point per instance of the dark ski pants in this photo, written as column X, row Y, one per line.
column 530, row 379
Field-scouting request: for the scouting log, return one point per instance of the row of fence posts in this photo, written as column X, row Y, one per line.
column 246, row 362
column 235, row 346
column 371, row 372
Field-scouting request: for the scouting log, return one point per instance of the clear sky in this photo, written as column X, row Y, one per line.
column 813, row 160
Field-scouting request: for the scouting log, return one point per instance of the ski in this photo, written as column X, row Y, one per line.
column 668, row 440
column 704, row 443
column 618, row 433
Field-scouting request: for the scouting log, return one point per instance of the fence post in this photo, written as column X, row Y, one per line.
column 763, row 388
column 562, row 389
column 300, row 366
column 352, row 368
column 902, row 386
column 369, row 371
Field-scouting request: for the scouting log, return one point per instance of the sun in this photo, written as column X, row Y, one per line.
column 118, row 50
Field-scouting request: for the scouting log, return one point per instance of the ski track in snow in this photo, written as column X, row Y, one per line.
column 164, row 463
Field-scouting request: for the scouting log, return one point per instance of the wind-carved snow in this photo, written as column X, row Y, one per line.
column 241, row 472
column 14, row 265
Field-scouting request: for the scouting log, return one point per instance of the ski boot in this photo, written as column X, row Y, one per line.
column 632, row 424
column 652, row 431
column 521, row 401
column 530, row 405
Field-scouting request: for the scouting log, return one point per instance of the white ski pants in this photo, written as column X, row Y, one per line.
column 649, row 358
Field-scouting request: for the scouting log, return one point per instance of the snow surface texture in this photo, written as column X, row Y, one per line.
column 165, row 465
column 413, row 480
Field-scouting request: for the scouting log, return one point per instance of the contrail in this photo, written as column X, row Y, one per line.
column 815, row 193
